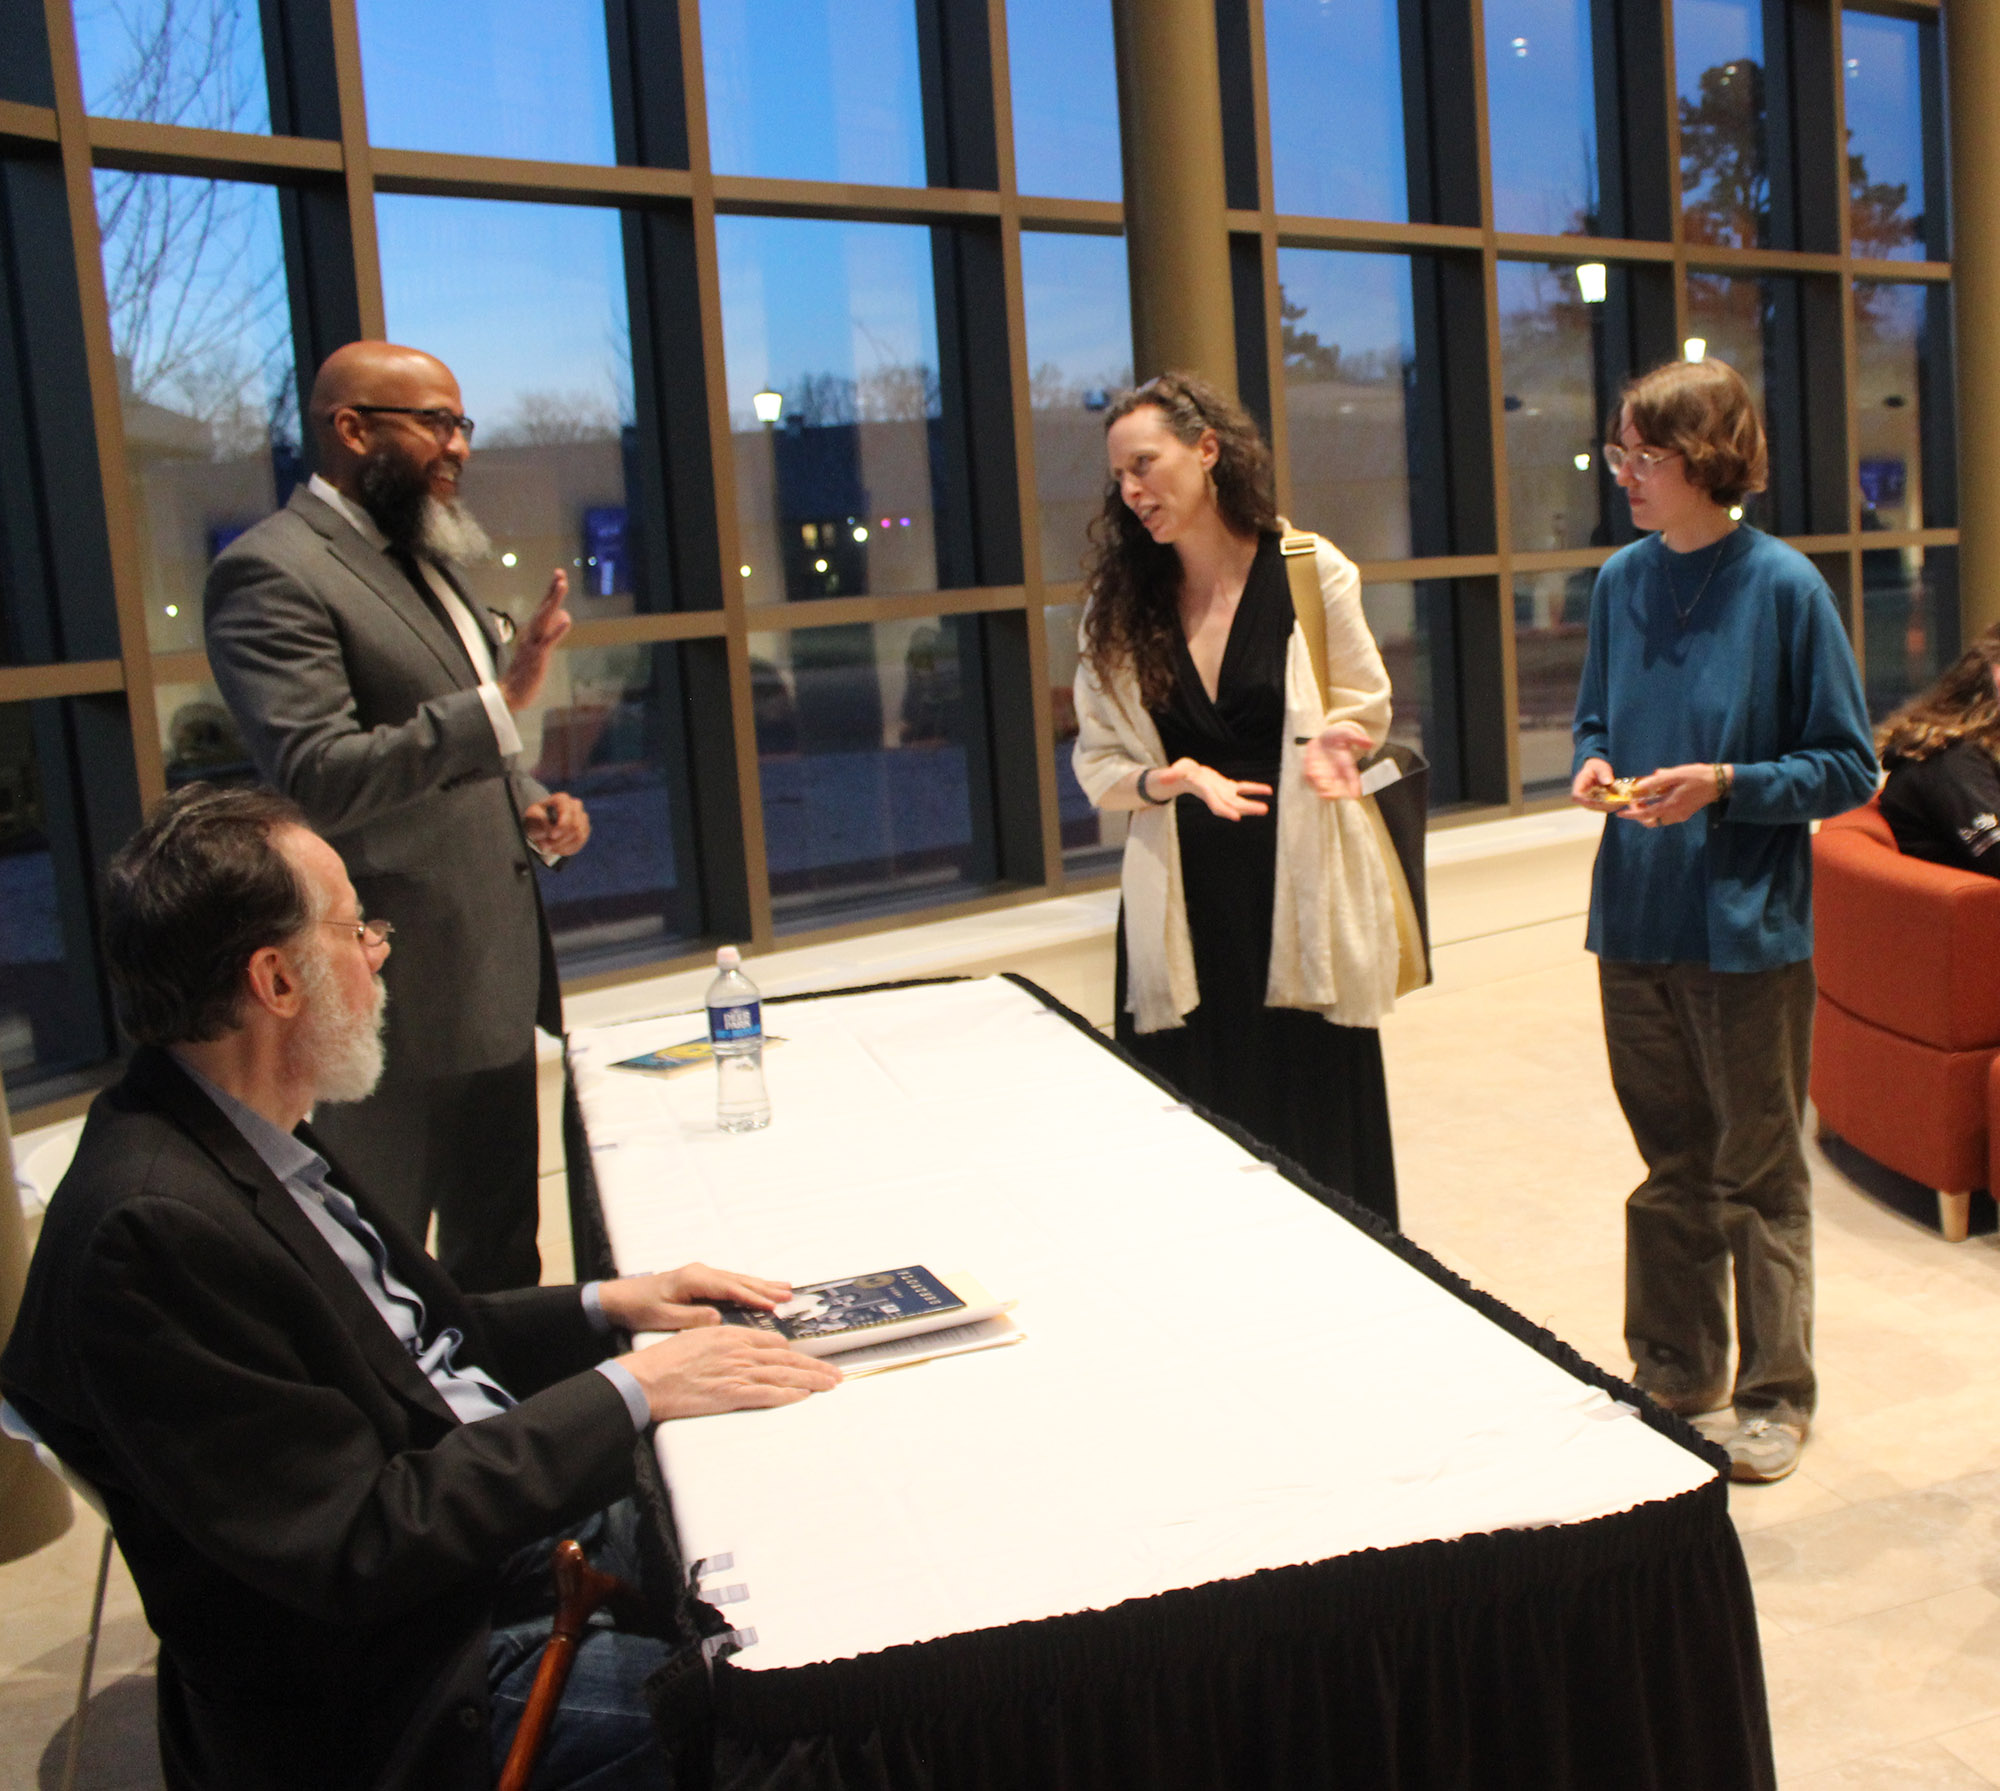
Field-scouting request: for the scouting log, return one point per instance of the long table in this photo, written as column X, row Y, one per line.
column 1267, row 1497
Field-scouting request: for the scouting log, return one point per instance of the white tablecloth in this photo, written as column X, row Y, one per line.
column 1220, row 1375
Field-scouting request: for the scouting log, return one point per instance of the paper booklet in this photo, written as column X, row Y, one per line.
column 670, row 1059
column 858, row 1316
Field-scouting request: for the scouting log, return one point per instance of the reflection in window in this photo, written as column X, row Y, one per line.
column 1548, row 355
column 1349, row 342
column 1551, row 630
column 191, row 62
column 1732, row 318
column 832, row 328
column 814, row 90
column 194, row 271
column 1398, row 619
column 861, row 749
column 1091, row 841
column 526, row 304
column 1885, row 134
column 608, row 729
column 1064, row 73
column 51, row 1016
column 1909, row 610
column 1890, row 345
column 199, row 739
column 531, row 81
column 1336, row 94
column 1542, row 116
column 1079, row 317
column 1725, row 182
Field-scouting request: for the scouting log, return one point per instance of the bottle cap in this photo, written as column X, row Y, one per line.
column 728, row 958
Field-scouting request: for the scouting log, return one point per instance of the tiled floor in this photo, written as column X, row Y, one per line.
column 1877, row 1566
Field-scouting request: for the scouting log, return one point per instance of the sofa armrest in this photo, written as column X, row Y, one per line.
column 1910, row 945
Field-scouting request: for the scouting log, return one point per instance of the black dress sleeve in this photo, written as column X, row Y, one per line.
column 1947, row 808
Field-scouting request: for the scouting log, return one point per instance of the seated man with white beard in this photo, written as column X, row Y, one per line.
column 335, row 1477
column 375, row 693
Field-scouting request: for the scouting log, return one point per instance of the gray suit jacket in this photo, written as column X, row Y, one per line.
column 356, row 701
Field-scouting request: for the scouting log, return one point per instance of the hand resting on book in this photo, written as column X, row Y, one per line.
column 710, row 1366
column 678, row 1299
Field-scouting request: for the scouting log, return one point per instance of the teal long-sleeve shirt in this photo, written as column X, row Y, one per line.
column 1761, row 678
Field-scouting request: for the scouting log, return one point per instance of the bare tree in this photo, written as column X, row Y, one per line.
column 555, row 419
column 199, row 312
column 898, row 393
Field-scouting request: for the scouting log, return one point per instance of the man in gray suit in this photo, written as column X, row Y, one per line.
column 370, row 690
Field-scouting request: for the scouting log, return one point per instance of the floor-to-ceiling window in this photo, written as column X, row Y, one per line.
column 789, row 326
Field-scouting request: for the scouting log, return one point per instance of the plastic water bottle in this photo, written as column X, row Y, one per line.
column 736, row 1035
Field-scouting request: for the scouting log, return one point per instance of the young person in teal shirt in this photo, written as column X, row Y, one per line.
column 1720, row 678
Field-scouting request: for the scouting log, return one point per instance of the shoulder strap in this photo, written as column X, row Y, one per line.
column 1300, row 549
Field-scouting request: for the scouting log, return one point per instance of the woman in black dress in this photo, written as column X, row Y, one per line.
column 1942, row 753
column 1257, row 944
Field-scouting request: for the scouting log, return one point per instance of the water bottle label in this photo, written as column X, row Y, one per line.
column 739, row 1021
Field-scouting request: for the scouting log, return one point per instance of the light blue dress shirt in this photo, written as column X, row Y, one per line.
column 471, row 1393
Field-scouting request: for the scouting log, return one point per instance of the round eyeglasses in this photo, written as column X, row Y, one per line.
column 1644, row 462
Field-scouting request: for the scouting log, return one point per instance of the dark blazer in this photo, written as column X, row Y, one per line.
column 357, row 702
column 315, row 1536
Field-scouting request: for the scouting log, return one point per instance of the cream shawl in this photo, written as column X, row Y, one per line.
column 1333, row 924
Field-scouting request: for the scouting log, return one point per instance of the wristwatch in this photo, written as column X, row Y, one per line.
column 1725, row 779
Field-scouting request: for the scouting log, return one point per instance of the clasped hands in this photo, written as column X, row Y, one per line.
column 709, row 1366
column 1329, row 765
column 1670, row 795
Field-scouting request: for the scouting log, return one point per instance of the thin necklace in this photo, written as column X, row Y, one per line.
column 1682, row 615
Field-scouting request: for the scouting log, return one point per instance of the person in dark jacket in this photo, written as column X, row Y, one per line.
column 326, row 1466
column 1942, row 800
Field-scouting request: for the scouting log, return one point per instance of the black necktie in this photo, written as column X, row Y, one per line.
column 407, row 562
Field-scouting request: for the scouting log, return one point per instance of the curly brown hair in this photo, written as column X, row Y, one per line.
column 1703, row 411
column 1959, row 706
column 1132, row 583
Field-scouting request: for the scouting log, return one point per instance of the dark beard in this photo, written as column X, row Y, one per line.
column 393, row 492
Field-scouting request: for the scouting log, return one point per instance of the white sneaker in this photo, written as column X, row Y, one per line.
column 1764, row 1449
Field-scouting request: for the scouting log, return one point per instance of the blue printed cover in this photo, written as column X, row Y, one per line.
column 852, row 1304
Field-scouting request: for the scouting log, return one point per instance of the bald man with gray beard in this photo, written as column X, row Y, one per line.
column 374, row 693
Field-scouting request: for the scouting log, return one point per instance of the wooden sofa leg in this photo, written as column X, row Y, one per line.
column 1954, row 1216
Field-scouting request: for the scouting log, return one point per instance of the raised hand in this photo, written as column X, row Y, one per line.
column 526, row 670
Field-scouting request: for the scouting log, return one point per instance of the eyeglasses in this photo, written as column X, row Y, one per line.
column 1644, row 462
column 366, row 932
column 443, row 424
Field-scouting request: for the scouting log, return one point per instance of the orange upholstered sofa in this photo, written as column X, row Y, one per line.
column 1906, row 1038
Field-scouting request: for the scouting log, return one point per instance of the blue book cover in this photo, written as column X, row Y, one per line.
column 854, row 1304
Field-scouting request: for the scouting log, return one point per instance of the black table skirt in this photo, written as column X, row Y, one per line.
column 1618, row 1654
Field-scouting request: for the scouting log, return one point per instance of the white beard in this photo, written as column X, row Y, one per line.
column 451, row 534
column 338, row 1050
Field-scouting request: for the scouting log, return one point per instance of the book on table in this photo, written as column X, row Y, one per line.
column 886, row 1319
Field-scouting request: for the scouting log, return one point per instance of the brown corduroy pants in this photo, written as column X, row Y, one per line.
column 1710, row 1067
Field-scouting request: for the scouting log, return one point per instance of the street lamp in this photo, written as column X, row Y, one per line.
column 769, row 406
column 1590, row 278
